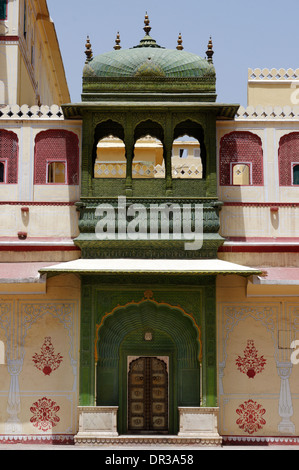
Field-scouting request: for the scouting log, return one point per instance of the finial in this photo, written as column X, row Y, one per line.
column 210, row 51
column 117, row 42
column 88, row 50
column 180, row 41
column 147, row 27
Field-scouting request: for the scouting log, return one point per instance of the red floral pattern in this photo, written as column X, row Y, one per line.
column 250, row 364
column 44, row 414
column 251, row 416
column 47, row 361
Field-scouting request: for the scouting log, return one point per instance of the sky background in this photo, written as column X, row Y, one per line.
column 245, row 34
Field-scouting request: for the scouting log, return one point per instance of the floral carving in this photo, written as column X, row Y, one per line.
column 250, row 364
column 44, row 414
column 251, row 416
column 47, row 361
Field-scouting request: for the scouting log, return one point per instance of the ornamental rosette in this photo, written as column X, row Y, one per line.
column 44, row 414
column 250, row 416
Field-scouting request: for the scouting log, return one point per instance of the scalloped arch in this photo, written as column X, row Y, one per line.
column 171, row 320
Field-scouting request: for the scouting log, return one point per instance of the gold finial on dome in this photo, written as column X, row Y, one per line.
column 180, row 41
column 147, row 28
column 117, row 42
column 88, row 50
column 210, row 51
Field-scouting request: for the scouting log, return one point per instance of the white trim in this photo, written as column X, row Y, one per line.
column 117, row 265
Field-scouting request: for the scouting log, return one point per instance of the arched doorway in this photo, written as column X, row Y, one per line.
column 148, row 332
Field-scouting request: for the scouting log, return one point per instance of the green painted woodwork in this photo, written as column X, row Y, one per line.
column 92, row 247
column 180, row 313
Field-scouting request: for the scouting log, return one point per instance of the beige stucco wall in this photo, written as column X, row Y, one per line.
column 273, row 87
column 271, row 323
column 25, row 322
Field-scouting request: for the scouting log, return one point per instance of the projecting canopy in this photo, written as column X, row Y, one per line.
column 149, row 266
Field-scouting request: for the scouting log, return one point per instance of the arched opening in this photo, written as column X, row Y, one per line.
column 186, row 158
column 9, row 149
column 56, row 157
column 189, row 151
column 148, row 161
column 148, row 330
column 241, row 159
column 110, row 159
column 108, row 156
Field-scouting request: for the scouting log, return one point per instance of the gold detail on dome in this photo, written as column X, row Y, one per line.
column 180, row 41
column 117, row 42
column 147, row 28
column 88, row 50
column 210, row 51
column 149, row 68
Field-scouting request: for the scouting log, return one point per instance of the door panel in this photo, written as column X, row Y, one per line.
column 148, row 395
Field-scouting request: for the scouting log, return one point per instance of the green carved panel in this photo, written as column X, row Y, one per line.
column 181, row 314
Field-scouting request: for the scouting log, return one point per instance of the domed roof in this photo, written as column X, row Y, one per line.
column 147, row 59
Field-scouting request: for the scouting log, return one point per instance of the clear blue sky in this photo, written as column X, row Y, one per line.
column 253, row 33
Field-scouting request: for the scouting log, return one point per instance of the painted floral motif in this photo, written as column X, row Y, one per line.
column 44, row 414
column 250, row 364
column 47, row 361
column 251, row 416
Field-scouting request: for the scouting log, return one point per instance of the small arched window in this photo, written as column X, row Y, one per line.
column 241, row 159
column 288, row 159
column 8, row 157
column 56, row 158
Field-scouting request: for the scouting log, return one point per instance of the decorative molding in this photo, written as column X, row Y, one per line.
column 273, row 74
column 259, row 440
column 37, row 203
column 25, row 112
column 268, row 113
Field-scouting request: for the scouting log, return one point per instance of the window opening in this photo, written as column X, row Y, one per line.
column 241, row 174
column 296, row 174
column 186, row 158
column 2, row 172
column 110, row 158
column 56, row 172
column 148, row 159
column 3, row 9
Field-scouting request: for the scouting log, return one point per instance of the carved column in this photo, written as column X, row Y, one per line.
column 129, row 149
column 167, row 154
column 13, row 424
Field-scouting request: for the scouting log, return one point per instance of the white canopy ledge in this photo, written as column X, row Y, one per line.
column 149, row 266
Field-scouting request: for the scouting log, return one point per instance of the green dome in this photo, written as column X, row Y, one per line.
column 147, row 61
